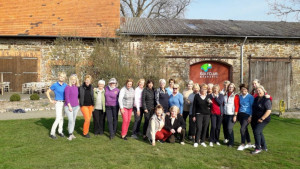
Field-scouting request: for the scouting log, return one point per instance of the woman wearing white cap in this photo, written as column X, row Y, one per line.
column 99, row 111
column 112, row 106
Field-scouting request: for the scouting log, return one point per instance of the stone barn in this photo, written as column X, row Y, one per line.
column 202, row 50
column 211, row 51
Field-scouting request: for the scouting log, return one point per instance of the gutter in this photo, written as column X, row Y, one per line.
column 242, row 60
column 223, row 36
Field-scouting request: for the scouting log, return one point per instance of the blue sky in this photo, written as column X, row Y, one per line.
column 231, row 9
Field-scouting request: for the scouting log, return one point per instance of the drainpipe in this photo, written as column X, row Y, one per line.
column 242, row 56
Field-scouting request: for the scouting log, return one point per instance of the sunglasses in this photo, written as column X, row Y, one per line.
column 174, row 88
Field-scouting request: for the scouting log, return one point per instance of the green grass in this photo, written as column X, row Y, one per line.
column 26, row 144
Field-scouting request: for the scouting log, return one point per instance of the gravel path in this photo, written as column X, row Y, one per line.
column 30, row 115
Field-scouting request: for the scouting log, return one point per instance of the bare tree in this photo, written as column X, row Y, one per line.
column 285, row 8
column 154, row 8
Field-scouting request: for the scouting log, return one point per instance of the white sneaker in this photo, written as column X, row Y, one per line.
column 203, row 144
column 249, row 146
column 70, row 137
column 217, row 143
column 226, row 141
column 182, row 143
column 195, row 144
column 241, row 148
column 211, row 144
column 73, row 136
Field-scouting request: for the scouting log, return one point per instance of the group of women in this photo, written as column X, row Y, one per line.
column 165, row 110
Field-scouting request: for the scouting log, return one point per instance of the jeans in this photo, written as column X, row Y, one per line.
column 59, row 120
column 260, row 142
column 147, row 117
column 126, row 121
column 243, row 118
column 99, row 121
column 112, row 119
column 71, row 118
column 216, row 121
column 202, row 122
column 137, row 120
column 228, row 128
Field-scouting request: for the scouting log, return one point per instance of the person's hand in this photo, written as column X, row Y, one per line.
column 260, row 120
column 146, row 111
column 53, row 101
column 188, row 102
column 172, row 131
column 138, row 113
column 181, row 115
column 153, row 143
column 70, row 109
column 179, row 129
column 122, row 110
column 234, row 119
column 249, row 119
column 194, row 119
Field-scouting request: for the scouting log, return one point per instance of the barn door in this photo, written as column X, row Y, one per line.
column 18, row 70
column 275, row 76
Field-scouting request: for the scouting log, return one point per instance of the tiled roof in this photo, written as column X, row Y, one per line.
column 83, row 18
column 201, row 27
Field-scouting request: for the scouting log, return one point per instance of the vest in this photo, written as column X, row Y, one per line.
column 229, row 104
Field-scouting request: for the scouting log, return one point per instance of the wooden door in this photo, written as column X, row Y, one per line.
column 275, row 76
column 19, row 70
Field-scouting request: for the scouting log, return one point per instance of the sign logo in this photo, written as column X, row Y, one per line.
column 206, row 74
column 206, row 66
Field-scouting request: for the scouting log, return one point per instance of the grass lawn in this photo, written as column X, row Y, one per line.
column 26, row 144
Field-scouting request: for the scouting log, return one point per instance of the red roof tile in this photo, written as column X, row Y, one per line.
column 88, row 18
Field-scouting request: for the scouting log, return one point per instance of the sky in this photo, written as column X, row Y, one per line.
column 253, row 10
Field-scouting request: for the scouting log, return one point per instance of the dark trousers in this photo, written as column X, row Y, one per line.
column 172, row 138
column 137, row 120
column 228, row 128
column 147, row 117
column 243, row 118
column 260, row 142
column 185, row 114
column 224, row 124
column 202, row 122
column 216, row 121
column 192, row 126
column 112, row 119
column 99, row 121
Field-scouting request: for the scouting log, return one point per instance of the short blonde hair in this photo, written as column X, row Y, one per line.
column 210, row 85
column 196, row 86
column 62, row 74
column 162, row 81
column 88, row 77
column 176, row 86
column 216, row 87
column 141, row 80
column 70, row 80
column 190, row 82
column 262, row 88
column 203, row 86
column 226, row 82
column 174, row 108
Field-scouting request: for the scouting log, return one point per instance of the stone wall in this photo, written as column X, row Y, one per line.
column 183, row 52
